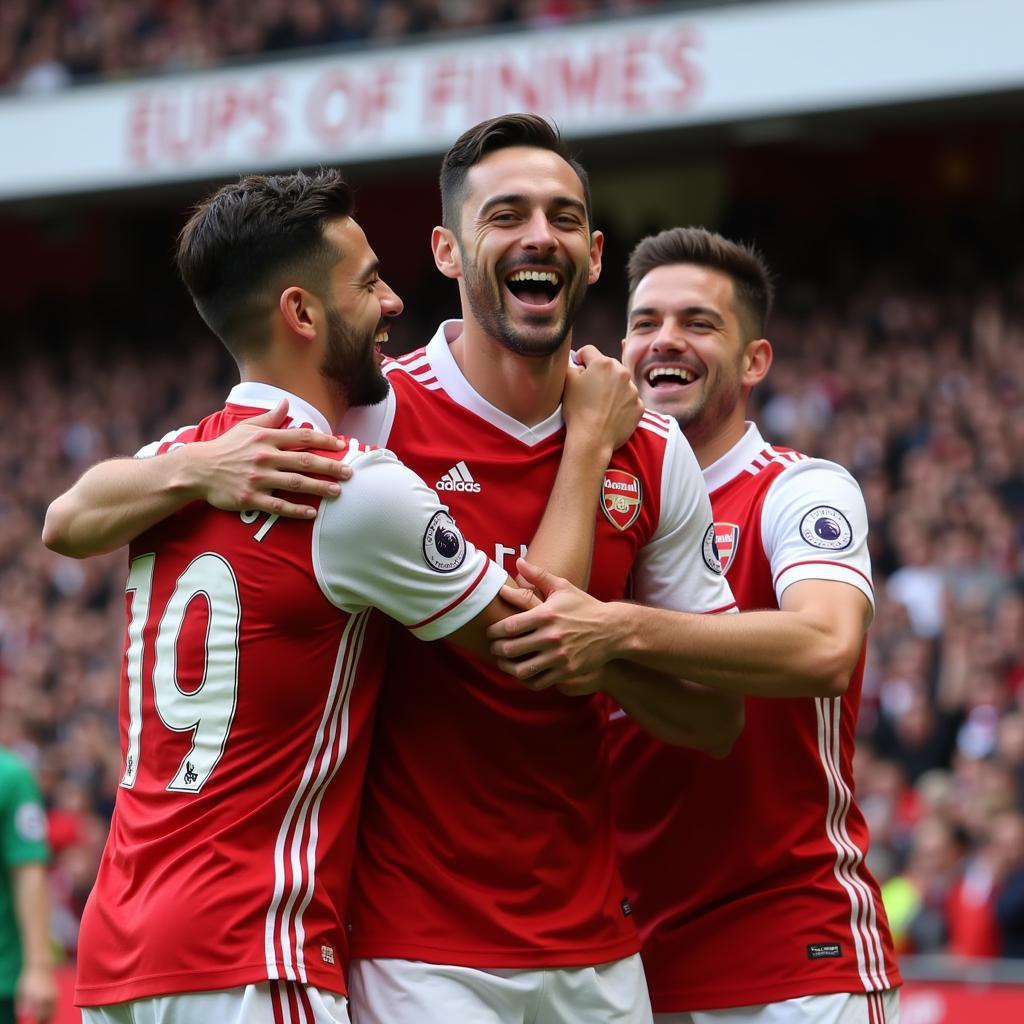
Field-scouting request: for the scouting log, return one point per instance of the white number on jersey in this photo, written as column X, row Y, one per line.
column 208, row 711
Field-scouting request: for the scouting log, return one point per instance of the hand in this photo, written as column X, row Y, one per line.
column 558, row 643
column 36, row 996
column 240, row 470
column 600, row 400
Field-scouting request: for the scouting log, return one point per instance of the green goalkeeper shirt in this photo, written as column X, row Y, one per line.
column 22, row 841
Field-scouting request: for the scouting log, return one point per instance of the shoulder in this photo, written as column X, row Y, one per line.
column 653, row 443
column 12, row 766
column 805, row 478
column 412, row 369
column 357, row 452
column 172, row 439
column 655, row 425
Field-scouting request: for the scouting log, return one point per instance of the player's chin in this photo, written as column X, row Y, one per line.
column 674, row 402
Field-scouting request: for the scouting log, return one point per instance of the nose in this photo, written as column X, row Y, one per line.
column 390, row 301
column 669, row 338
column 538, row 236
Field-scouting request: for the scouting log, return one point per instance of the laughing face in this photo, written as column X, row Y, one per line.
column 357, row 317
column 524, row 252
column 684, row 346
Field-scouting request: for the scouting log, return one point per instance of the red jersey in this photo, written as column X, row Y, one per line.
column 747, row 874
column 251, row 667
column 486, row 838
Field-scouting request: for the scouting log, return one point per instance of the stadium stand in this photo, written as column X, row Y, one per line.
column 49, row 44
column 918, row 390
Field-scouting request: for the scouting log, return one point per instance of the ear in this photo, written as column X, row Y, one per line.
column 757, row 361
column 596, row 248
column 447, row 256
column 298, row 309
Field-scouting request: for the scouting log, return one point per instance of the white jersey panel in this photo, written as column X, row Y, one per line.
column 679, row 567
column 388, row 543
column 147, row 451
column 814, row 526
column 371, row 424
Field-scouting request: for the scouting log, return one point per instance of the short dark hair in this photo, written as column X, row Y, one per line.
column 250, row 236
column 751, row 278
column 486, row 137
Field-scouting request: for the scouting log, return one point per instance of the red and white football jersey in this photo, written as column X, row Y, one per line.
column 486, row 836
column 252, row 662
column 747, row 875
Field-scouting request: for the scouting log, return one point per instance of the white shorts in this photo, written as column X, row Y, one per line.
column 839, row 1008
column 411, row 992
column 270, row 1002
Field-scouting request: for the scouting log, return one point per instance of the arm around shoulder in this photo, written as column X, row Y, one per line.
column 115, row 501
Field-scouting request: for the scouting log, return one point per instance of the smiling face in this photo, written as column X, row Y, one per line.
column 524, row 251
column 685, row 348
column 357, row 315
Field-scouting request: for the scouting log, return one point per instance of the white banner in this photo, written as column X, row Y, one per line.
column 605, row 79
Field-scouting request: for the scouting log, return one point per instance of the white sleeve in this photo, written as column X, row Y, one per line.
column 388, row 543
column 679, row 567
column 814, row 526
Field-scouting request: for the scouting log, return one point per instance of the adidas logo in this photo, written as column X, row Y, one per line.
column 458, row 478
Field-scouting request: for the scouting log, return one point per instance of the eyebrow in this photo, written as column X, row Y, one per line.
column 711, row 314
column 518, row 199
column 371, row 268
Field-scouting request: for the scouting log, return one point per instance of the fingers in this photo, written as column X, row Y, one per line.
column 518, row 646
column 522, row 598
column 542, row 581
column 514, row 625
column 532, row 674
column 589, row 354
column 288, row 438
column 306, row 463
column 273, row 417
column 275, row 505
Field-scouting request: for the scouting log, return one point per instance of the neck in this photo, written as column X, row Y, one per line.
column 309, row 385
column 710, row 444
column 527, row 388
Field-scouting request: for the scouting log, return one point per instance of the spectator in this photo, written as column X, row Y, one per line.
column 26, row 970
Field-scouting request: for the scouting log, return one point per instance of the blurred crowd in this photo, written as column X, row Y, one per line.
column 46, row 45
column 918, row 390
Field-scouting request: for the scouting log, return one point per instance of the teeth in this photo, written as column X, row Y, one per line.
column 380, row 339
column 535, row 275
column 677, row 372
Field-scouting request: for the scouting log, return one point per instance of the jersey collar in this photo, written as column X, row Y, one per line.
column 256, row 395
column 739, row 456
column 451, row 378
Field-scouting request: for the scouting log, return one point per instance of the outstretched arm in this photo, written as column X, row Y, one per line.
column 115, row 501
column 675, row 710
column 808, row 648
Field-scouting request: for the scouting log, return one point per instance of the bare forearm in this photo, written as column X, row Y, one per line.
column 564, row 541
column 674, row 710
column 769, row 654
column 32, row 909
column 115, row 501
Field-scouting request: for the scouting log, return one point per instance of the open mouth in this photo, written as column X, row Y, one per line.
column 669, row 377
column 380, row 339
column 535, row 288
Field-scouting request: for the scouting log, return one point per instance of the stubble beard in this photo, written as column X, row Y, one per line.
column 486, row 302
column 718, row 398
column 350, row 363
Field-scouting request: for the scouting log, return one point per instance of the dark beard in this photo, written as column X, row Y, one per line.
column 486, row 302
column 350, row 364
